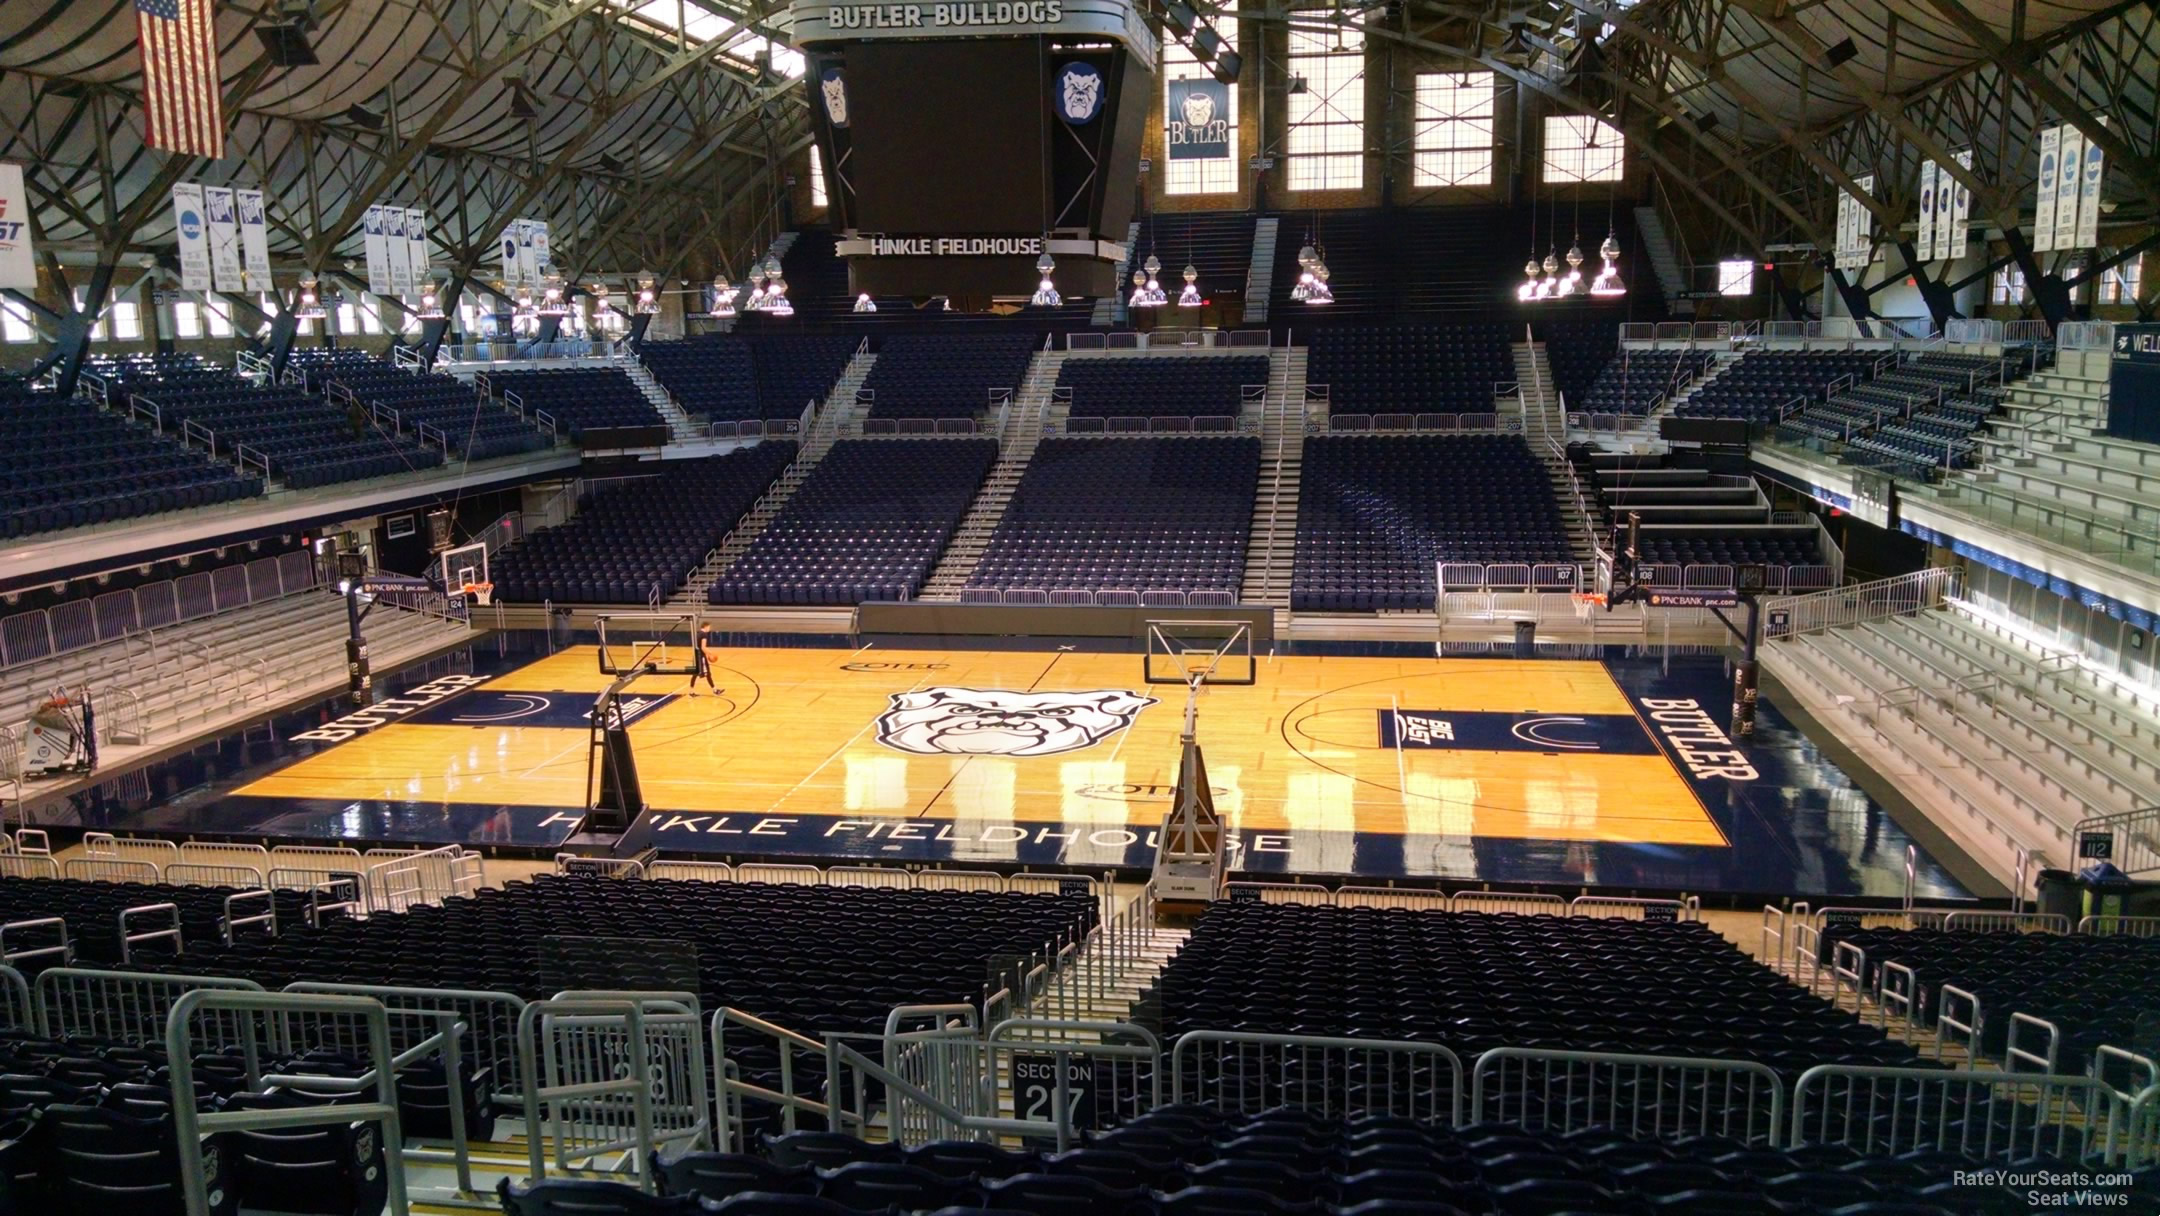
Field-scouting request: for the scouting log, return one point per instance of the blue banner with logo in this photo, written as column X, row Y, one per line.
column 1196, row 120
column 1077, row 92
column 2134, row 384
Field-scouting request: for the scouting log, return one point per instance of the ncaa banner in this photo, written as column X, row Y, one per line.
column 2092, row 174
column 1945, row 187
column 1863, row 223
column 1927, row 210
column 224, row 239
column 416, row 246
column 542, row 262
column 1961, row 209
column 2043, row 234
column 17, row 267
column 528, row 255
column 254, row 240
column 512, row 237
column 396, row 250
column 193, row 234
column 1197, row 121
column 378, row 252
column 2066, row 186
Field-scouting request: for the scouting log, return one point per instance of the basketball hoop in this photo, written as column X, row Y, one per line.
column 481, row 594
column 1588, row 597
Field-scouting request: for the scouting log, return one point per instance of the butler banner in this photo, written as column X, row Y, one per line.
column 1197, row 120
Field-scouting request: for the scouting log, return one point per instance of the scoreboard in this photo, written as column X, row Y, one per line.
column 963, row 140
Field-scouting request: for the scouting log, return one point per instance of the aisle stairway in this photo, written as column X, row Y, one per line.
column 1023, row 432
column 1271, row 546
column 838, row 415
column 682, row 428
column 1260, row 278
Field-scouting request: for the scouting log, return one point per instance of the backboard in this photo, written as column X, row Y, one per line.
column 661, row 643
column 1209, row 652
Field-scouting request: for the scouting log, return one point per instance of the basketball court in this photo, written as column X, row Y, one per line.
column 1577, row 770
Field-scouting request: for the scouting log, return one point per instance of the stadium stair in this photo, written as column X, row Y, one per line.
column 682, row 428
column 841, row 414
column 1650, row 229
column 1260, row 276
column 1023, row 433
column 1110, row 308
column 1272, row 546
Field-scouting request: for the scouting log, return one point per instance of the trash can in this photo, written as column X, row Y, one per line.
column 1526, row 639
column 2059, row 893
column 2104, row 891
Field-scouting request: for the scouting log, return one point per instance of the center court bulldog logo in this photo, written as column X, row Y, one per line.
column 994, row 722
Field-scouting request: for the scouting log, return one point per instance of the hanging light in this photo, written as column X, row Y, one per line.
column 310, row 306
column 430, row 301
column 1139, row 296
column 1190, row 297
column 756, row 300
column 1571, row 282
column 647, row 303
column 723, row 298
column 1156, row 297
column 552, row 302
column 1608, row 282
column 863, row 303
column 1046, row 293
column 776, row 301
column 1551, row 282
column 1321, row 293
column 1527, row 289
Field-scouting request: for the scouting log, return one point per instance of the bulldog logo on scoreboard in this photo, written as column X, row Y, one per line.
column 1079, row 97
column 995, row 722
column 834, row 88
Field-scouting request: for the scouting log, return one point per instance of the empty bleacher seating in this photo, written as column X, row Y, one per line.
column 2094, row 989
column 1161, row 386
column 1762, row 383
column 306, row 440
column 712, row 376
column 1577, row 351
column 868, row 524
column 1127, row 515
column 945, row 376
column 475, row 427
column 579, row 399
column 795, row 370
column 640, row 536
column 1637, row 381
column 1375, row 516
column 65, row 463
column 1411, row 369
column 1475, row 980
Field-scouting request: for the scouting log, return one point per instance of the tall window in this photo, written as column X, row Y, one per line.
column 2008, row 286
column 127, row 320
column 1199, row 176
column 219, row 314
column 1736, row 277
column 1579, row 148
column 98, row 332
column 1327, row 121
column 15, row 322
column 187, row 319
column 2122, row 284
column 1454, row 137
column 817, row 176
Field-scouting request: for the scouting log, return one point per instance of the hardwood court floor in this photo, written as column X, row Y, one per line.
column 1502, row 748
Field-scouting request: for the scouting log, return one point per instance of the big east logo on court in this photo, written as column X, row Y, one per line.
column 993, row 722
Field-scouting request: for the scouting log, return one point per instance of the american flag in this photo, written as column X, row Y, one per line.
column 180, row 76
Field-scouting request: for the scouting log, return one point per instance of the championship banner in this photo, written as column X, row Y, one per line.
column 396, row 250
column 1197, row 125
column 2043, row 234
column 2090, row 178
column 1945, row 187
column 2066, row 187
column 528, row 258
column 224, row 239
column 254, row 240
column 193, row 234
column 1961, row 209
column 1863, row 223
column 378, row 252
column 542, row 260
column 17, row 267
column 1927, row 211
column 416, row 246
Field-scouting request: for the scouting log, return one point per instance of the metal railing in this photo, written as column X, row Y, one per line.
column 1903, row 595
column 1990, row 1117
column 2134, row 836
column 151, row 609
column 612, row 1074
column 1247, row 1073
column 1636, row 1095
